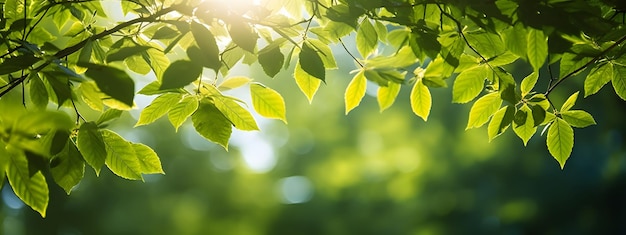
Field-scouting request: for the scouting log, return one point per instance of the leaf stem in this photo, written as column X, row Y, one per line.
column 349, row 53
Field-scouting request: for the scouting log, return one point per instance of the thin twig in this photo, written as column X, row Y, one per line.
column 583, row 67
column 349, row 53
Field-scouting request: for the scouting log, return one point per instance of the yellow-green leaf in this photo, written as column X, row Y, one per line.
column 537, row 48
column 68, row 167
column 469, row 84
column 181, row 111
column 387, row 95
column 148, row 159
column 482, row 109
column 121, row 158
column 421, row 100
column 91, row 145
column 619, row 81
column 267, row 102
column 569, row 103
column 355, row 91
column 529, row 83
column 366, row 38
column 240, row 117
column 32, row 190
column 211, row 124
column 560, row 141
column 233, row 82
column 597, row 78
column 578, row 118
column 159, row 107
column 500, row 121
column 307, row 83
column 524, row 129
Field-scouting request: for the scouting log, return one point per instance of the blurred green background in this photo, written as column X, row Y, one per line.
column 365, row 173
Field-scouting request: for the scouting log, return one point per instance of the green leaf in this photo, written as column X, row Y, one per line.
column 108, row 115
column 355, row 91
column 267, row 102
column 529, row 83
column 569, row 103
column 38, row 92
column 68, row 168
column 324, row 51
column 212, row 124
column 469, row 84
column 159, row 107
column 91, row 95
column 537, row 48
column 121, row 158
column 619, row 81
column 560, row 141
column 154, row 88
column 125, row 52
column 113, row 82
column 243, row 35
column 233, row 82
column 578, row 118
column 91, row 145
column 366, row 38
column 311, row 63
column 421, row 100
column 179, row 74
column 387, row 95
column 271, row 60
column 165, row 33
column 17, row 63
column 307, row 83
column 524, row 129
column 181, row 111
column 59, row 83
column 515, row 39
column 157, row 61
column 240, row 117
column 500, row 121
column 597, row 78
column 482, row 110
column 148, row 159
column 32, row 190
column 208, row 46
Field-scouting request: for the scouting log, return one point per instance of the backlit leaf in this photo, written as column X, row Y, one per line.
column 500, row 121
column 529, row 83
column 243, row 35
column 366, row 38
column 121, row 158
column 560, row 141
column 240, row 117
column 212, row 124
column 181, row 111
column 32, row 190
column 38, row 92
column 578, row 118
column 387, row 95
column 569, row 103
column 91, row 145
column 526, row 129
column 469, row 84
column 355, row 91
column 207, row 44
column 148, row 159
column 619, row 81
column 537, row 48
column 233, row 82
column 307, row 83
column 159, row 107
column 482, row 110
column 267, row 102
column 597, row 78
column 68, row 167
column 421, row 100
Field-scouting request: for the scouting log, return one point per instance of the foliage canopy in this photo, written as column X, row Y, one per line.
column 62, row 54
